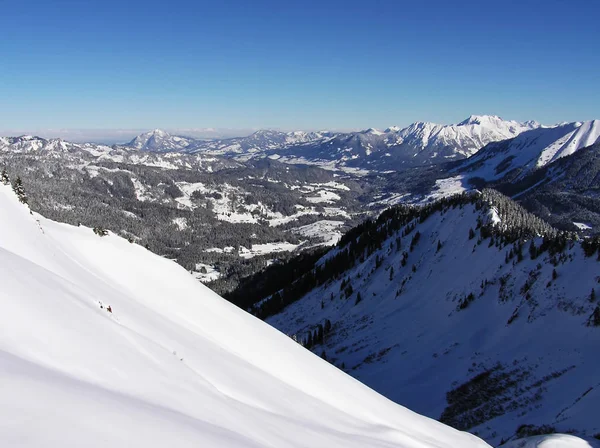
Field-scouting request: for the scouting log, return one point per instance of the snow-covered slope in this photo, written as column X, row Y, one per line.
column 532, row 149
column 453, row 325
column 172, row 364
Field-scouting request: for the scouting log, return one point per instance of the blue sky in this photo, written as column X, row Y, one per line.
column 294, row 64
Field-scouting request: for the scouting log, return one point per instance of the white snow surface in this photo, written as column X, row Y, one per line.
column 172, row 365
column 553, row 441
column 582, row 226
column 326, row 229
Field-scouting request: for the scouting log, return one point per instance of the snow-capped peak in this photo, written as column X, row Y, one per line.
column 481, row 120
column 158, row 140
column 373, row 131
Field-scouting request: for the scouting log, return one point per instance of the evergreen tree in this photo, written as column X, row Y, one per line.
column 358, row 298
column 320, row 333
column 595, row 317
column 309, row 340
column 439, row 246
column 20, row 190
column 4, row 177
column 391, row 273
column 533, row 250
column 593, row 295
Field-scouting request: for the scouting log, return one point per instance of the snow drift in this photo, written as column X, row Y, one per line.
column 172, row 364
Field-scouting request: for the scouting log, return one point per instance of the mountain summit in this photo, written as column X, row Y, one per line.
column 159, row 141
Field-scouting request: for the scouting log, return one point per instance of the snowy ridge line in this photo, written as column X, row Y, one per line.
column 505, row 219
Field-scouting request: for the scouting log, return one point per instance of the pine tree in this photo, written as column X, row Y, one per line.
column 309, row 340
column 533, row 251
column 391, row 273
column 20, row 190
column 4, row 177
column 593, row 295
column 439, row 246
column 320, row 333
column 358, row 298
column 595, row 317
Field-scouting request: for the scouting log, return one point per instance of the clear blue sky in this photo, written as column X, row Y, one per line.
column 295, row 64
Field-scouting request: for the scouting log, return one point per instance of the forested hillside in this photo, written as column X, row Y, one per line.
column 470, row 309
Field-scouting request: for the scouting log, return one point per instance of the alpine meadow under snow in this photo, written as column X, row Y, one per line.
column 105, row 344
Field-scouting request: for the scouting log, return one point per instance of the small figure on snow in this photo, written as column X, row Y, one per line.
column 109, row 309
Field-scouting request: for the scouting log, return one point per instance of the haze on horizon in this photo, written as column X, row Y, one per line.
column 107, row 71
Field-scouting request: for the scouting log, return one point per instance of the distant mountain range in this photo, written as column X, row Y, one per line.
column 418, row 163
column 372, row 149
column 507, row 145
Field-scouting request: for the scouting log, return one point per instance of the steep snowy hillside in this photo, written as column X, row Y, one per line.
column 531, row 150
column 105, row 344
column 450, row 310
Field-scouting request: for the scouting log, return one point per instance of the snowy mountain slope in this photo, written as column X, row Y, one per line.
column 463, row 139
column 531, row 150
column 418, row 144
column 565, row 192
column 171, row 363
column 158, row 140
column 461, row 330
